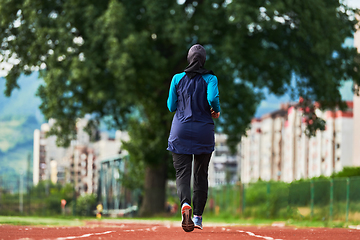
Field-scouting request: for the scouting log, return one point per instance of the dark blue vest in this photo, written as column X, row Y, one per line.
column 192, row 130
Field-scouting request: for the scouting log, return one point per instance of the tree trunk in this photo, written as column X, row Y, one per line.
column 154, row 190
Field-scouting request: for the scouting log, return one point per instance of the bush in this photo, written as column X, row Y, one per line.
column 85, row 205
column 347, row 172
column 266, row 199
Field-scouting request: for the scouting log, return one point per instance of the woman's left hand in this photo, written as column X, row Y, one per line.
column 215, row 114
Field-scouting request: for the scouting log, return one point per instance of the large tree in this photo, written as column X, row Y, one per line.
column 114, row 60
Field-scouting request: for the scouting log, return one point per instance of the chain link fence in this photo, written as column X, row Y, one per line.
column 335, row 199
column 46, row 200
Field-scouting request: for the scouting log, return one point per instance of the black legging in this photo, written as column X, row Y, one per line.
column 182, row 165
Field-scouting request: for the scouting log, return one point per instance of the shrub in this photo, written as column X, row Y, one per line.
column 85, row 205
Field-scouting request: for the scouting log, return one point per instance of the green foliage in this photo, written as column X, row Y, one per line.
column 51, row 195
column 85, row 205
column 41, row 221
column 116, row 58
column 224, row 199
column 348, row 172
column 299, row 193
column 279, row 200
column 44, row 199
column 133, row 178
column 122, row 54
column 267, row 199
column 322, row 192
column 256, row 194
column 313, row 122
column 300, row 190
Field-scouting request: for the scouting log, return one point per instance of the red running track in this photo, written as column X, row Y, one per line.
column 106, row 230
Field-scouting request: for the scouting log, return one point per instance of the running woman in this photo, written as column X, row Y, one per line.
column 194, row 95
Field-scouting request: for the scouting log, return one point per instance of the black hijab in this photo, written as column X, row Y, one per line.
column 196, row 58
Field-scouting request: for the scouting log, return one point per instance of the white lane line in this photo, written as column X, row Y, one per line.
column 140, row 229
column 258, row 236
column 84, row 236
column 357, row 227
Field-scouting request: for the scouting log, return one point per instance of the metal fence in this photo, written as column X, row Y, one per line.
column 336, row 199
column 45, row 198
column 322, row 199
column 116, row 199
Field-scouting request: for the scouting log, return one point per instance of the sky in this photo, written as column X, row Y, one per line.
column 353, row 3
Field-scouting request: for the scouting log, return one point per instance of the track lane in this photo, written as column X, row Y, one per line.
column 152, row 230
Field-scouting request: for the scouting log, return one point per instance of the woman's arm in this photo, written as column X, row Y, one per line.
column 213, row 93
column 172, row 99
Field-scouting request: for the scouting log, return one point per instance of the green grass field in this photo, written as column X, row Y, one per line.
column 44, row 221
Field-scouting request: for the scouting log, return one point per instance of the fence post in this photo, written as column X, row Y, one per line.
column 74, row 201
column 215, row 199
column 228, row 200
column 235, row 194
column 28, row 181
column 331, row 198
column 268, row 200
column 21, row 196
column 223, row 197
column 347, row 198
column 243, row 198
column 311, row 199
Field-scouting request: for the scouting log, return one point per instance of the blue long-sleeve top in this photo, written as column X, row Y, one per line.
column 192, row 130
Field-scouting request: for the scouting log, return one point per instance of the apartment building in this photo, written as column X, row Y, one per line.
column 79, row 163
column 250, row 150
column 356, row 130
column 46, row 155
column 276, row 147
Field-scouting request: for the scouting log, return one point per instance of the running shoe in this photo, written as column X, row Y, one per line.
column 187, row 223
column 198, row 222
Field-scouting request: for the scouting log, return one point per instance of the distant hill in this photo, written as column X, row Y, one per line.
column 19, row 117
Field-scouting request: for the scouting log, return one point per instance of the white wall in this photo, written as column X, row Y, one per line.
column 356, row 111
column 346, row 147
column 266, row 148
column 36, row 157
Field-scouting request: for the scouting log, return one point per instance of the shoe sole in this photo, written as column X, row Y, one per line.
column 187, row 223
column 198, row 227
